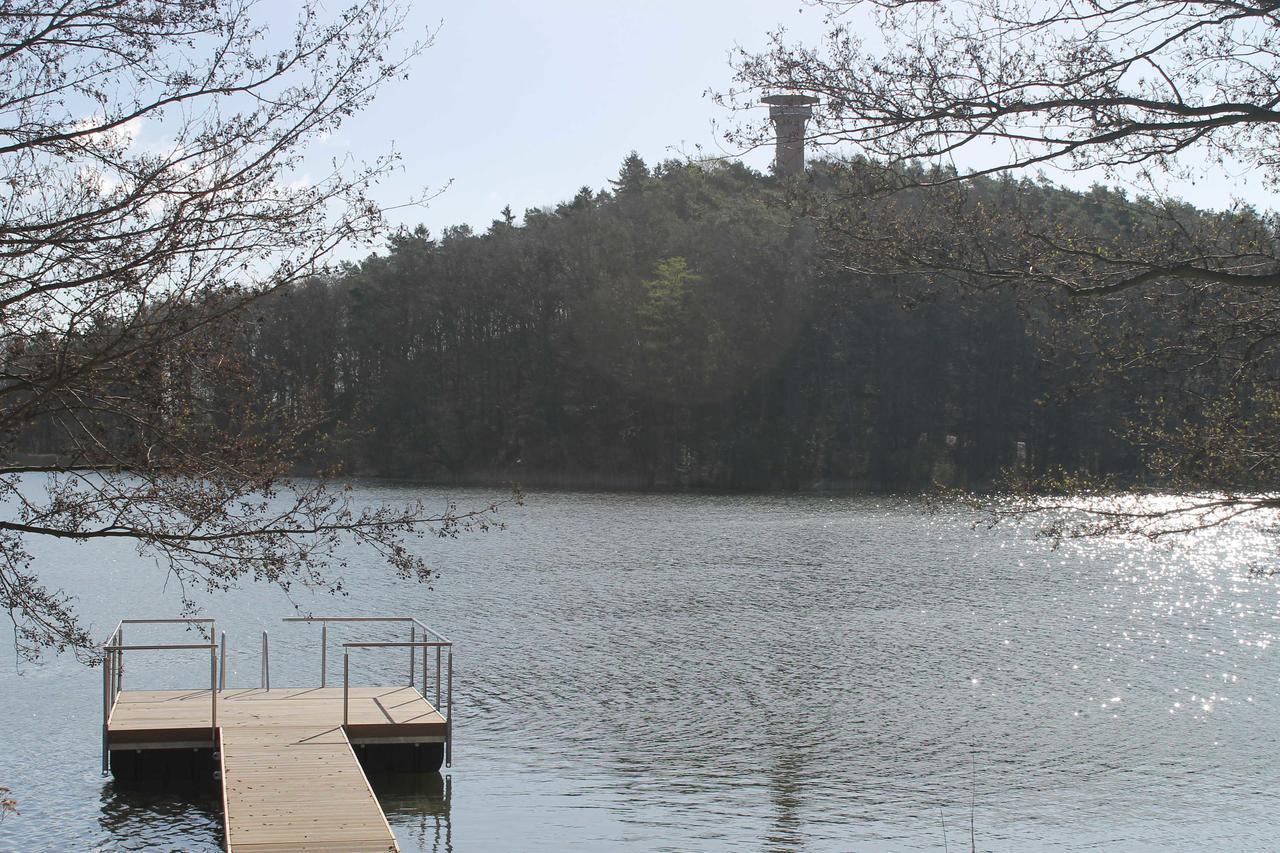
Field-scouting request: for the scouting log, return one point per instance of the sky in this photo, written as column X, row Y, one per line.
column 522, row 103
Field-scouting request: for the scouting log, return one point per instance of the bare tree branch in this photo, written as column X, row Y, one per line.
column 148, row 154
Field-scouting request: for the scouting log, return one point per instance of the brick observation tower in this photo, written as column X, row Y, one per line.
column 789, row 114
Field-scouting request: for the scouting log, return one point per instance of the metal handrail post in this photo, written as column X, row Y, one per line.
column 346, row 682
column 324, row 651
column 438, row 652
column 264, row 679
column 413, row 638
column 448, row 743
column 119, row 663
column 106, row 709
column 213, row 693
column 222, row 664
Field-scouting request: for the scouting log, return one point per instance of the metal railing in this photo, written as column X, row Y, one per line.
column 415, row 626
column 444, row 663
column 114, row 648
column 113, row 671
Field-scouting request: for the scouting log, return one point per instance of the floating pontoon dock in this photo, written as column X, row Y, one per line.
column 286, row 757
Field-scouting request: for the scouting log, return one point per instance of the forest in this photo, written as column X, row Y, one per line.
column 683, row 329
column 699, row 325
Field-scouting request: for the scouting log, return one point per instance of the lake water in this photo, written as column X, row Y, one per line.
column 676, row 673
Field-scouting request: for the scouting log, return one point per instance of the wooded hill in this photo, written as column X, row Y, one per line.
column 684, row 330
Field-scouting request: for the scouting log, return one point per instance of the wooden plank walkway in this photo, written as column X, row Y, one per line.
column 291, row 780
column 298, row 788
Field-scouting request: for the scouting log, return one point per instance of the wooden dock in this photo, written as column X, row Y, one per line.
column 286, row 757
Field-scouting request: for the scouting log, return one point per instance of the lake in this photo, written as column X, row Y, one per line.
column 780, row 673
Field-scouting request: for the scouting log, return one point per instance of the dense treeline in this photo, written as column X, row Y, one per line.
column 680, row 330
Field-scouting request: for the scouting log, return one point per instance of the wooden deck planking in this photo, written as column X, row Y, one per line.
column 374, row 713
column 298, row 788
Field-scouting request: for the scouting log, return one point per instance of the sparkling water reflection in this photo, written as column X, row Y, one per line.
column 777, row 673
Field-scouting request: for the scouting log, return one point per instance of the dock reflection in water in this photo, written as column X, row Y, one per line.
column 156, row 813
column 417, row 806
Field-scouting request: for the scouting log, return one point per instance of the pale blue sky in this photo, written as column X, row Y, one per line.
column 522, row 103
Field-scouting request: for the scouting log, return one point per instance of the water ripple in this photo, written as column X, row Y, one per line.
column 692, row 673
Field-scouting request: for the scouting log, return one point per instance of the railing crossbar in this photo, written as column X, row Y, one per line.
column 397, row 644
column 166, row 621
column 160, row 648
column 412, row 619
